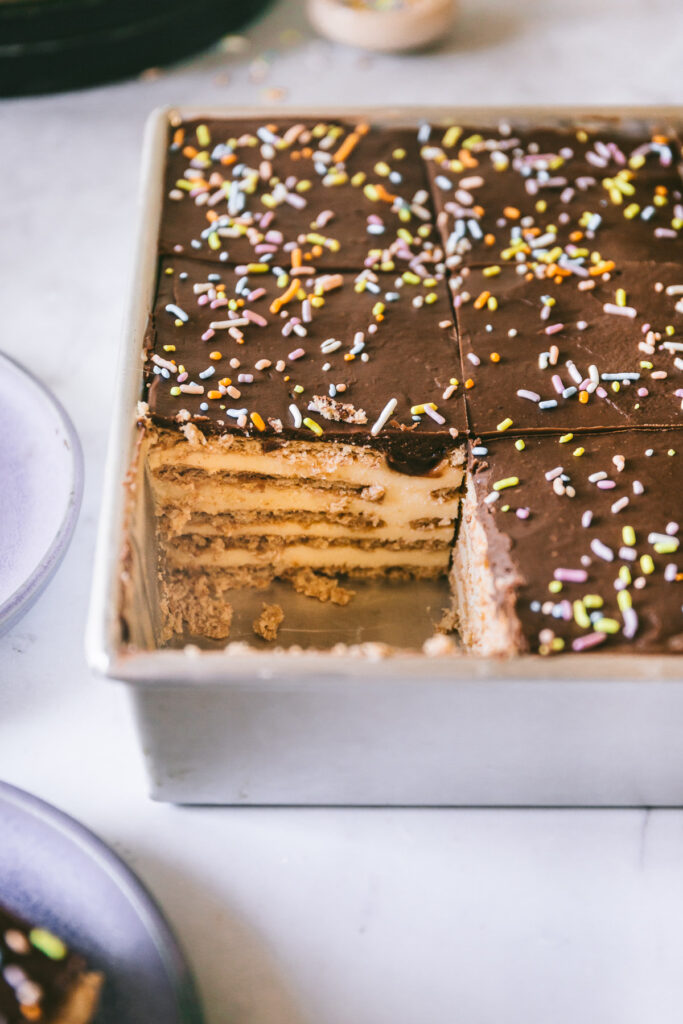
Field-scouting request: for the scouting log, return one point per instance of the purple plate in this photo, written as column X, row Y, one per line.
column 41, row 484
column 55, row 871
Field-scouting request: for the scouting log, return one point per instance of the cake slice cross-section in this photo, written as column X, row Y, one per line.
column 235, row 512
column 298, row 423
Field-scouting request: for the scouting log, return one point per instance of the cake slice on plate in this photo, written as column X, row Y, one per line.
column 41, row 979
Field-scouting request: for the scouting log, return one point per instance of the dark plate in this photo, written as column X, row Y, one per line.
column 54, row 871
column 46, row 45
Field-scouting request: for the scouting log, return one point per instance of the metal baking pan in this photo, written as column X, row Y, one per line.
column 310, row 725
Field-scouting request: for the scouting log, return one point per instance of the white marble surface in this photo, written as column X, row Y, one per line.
column 320, row 917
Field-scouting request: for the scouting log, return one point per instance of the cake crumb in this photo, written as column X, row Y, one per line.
column 448, row 623
column 269, row 621
column 439, row 646
column 193, row 435
column 189, row 605
column 322, row 588
column 373, row 492
column 339, row 411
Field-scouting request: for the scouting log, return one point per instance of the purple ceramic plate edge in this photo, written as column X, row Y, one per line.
column 145, row 906
column 16, row 606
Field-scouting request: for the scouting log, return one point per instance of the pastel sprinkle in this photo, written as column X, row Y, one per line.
column 312, row 425
column 666, row 547
column 606, row 625
column 630, row 617
column 47, row 943
column 602, row 550
column 629, row 311
column 571, row 575
column 628, row 535
column 581, row 615
column 177, row 312
column 583, row 643
column 510, row 481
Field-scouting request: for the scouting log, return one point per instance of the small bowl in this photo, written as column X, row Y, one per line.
column 414, row 24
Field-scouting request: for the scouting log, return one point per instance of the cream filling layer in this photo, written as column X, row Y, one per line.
column 326, row 461
column 218, row 502
column 321, row 531
column 213, row 497
column 298, row 556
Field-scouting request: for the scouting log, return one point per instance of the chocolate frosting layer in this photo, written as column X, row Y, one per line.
column 302, row 294
column 311, row 356
column 239, row 191
column 579, row 521
column 526, row 193
column 600, row 350
column 37, row 971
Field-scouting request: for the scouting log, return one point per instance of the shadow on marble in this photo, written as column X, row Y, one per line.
column 236, row 974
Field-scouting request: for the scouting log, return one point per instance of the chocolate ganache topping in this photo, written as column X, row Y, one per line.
column 518, row 291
